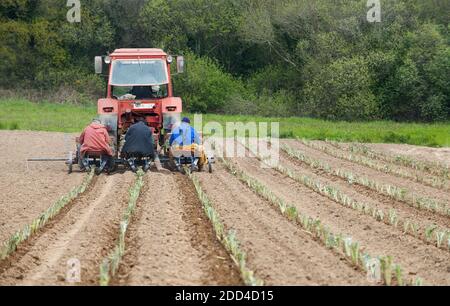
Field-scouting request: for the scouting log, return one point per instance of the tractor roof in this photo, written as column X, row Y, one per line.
column 138, row 52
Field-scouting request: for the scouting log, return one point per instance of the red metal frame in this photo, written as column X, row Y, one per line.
column 125, row 110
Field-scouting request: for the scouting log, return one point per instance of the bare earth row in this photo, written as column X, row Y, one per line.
column 170, row 240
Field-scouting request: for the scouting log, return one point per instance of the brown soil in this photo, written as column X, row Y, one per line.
column 427, row 178
column 417, row 188
column 278, row 251
column 441, row 155
column 27, row 191
column 87, row 232
column 171, row 241
column 422, row 218
column 378, row 239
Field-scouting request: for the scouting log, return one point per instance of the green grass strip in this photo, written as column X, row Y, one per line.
column 229, row 240
column 110, row 265
column 20, row 114
column 11, row 244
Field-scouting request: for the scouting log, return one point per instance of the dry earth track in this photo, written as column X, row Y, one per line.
column 278, row 251
column 26, row 191
column 170, row 240
column 86, row 232
column 415, row 257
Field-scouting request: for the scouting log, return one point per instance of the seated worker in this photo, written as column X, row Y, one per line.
column 142, row 92
column 146, row 92
column 186, row 138
column 95, row 140
column 139, row 144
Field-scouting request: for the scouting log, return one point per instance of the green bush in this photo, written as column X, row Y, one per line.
column 342, row 90
column 279, row 104
column 205, row 87
column 434, row 109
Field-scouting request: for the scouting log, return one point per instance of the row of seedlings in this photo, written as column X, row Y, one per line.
column 391, row 273
column 434, row 168
column 391, row 191
column 12, row 243
column 110, row 265
column 433, row 181
column 431, row 234
column 228, row 239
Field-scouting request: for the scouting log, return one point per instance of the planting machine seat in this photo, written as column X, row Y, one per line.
column 190, row 156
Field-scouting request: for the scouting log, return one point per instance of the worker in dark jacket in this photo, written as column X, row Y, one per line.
column 139, row 144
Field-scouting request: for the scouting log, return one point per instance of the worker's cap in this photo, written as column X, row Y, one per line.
column 186, row 119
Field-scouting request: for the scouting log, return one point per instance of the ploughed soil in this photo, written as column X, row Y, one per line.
column 170, row 241
column 418, row 189
column 85, row 232
column 27, row 189
column 376, row 238
column 278, row 251
column 441, row 155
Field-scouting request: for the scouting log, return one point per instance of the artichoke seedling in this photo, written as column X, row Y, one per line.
column 440, row 236
column 393, row 220
column 386, row 269
column 291, row 213
column 406, row 226
column 347, row 246
column 399, row 275
column 429, row 232
column 418, row 282
column 355, row 252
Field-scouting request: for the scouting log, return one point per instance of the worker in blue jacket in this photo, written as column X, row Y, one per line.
column 184, row 134
column 184, row 137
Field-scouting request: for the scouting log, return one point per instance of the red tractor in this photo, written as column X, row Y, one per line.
column 138, row 85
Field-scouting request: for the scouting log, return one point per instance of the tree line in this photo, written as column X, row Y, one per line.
column 320, row 58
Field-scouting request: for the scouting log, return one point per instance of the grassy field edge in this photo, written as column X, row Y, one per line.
column 21, row 114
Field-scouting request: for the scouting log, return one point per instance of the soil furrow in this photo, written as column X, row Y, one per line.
column 426, row 154
column 421, row 218
column 85, row 233
column 30, row 188
column 278, row 251
column 170, row 240
column 377, row 238
column 417, row 188
column 404, row 172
